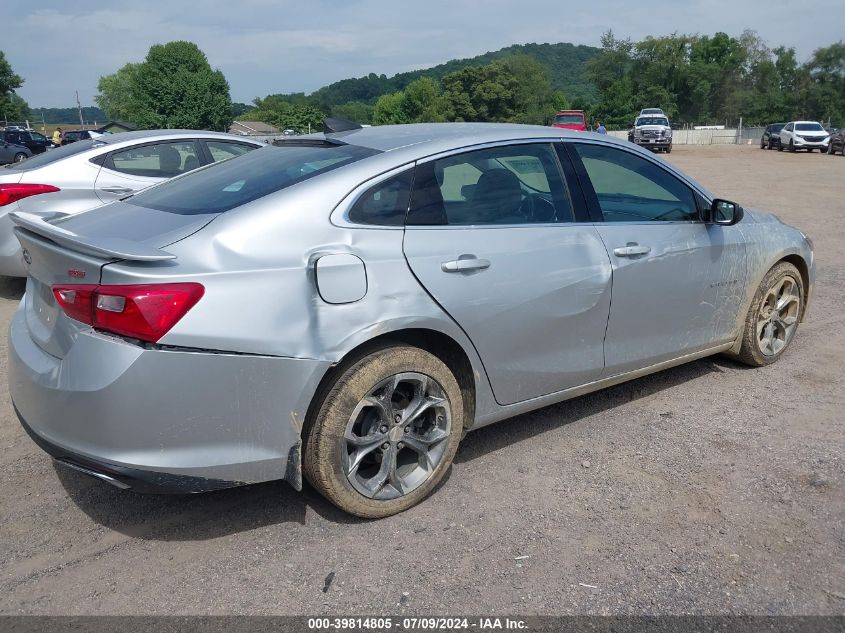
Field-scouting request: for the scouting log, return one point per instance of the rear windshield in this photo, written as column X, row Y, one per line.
column 569, row 118
column 652, row 121
column 776, row 127
column 51, row 156
column 237, row 181
column 809, row 127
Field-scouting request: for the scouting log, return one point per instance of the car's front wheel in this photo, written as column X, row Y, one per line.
column 385, row 433
column 773, row 317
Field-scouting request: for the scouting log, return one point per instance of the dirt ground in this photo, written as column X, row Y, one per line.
column 709, row 488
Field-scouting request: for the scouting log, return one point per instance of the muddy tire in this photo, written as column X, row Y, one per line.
column 385, row 433
column 772, row 320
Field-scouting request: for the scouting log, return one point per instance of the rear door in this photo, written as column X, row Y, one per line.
column 677, row 281
column 498, row 241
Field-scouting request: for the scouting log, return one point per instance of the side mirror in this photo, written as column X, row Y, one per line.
column 725, row 212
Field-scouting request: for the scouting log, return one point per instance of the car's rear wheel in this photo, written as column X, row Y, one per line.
column 780, row 146
column 762, row 144
column 386, row 432
column 773, row 317
column 20, row 156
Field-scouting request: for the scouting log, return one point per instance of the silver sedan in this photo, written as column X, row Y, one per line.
column 346, row 306
column 88, row 173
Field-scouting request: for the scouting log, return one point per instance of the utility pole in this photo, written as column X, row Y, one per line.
column 79, row 107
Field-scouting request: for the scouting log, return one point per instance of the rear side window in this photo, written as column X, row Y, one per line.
column 157, row 160
column 232, row 183
column 386, row 203
column 511, row 184
column 222, row 150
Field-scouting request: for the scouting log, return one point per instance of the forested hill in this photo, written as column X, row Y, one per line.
column 566, row 63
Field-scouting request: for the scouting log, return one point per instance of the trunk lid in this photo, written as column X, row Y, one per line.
column 73, row 250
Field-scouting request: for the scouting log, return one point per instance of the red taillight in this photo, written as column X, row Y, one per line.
column 146, row 312
column 76, row 301
column 10, row 193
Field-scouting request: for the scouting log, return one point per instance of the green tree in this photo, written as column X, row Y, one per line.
column 482, row 93
column 118, row 97
column 422, row 102
column 12, row 106
column 174, row 87
column 357, row 111
column 388, row 109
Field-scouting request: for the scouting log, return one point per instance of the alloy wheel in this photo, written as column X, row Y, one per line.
column 778, row 316
column 396, row 436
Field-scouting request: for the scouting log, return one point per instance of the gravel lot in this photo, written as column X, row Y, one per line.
column 709, row 488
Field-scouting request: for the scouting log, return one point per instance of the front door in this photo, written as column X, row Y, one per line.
column 491, row 235
column 677, row 281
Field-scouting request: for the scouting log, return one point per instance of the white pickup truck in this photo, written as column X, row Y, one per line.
column 652, row 131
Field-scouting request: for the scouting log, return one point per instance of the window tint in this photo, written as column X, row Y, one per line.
column 37, row 137
column 632, row 189
column 221, row 150
column 231, row 183
column 159, row 160
column 513, row 184
column 809, row 127
column 386, row 203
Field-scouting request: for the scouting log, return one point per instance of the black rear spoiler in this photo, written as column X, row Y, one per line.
column 108, row 247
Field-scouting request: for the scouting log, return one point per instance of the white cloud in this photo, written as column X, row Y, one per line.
column 267, row 46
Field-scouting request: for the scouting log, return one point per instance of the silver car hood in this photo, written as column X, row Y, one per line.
column 759, row 216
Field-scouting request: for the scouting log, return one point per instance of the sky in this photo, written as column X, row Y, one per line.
column 276, row 46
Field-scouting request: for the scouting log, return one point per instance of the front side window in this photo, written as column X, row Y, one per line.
column 630, row 188
column 513, row 184
column 157, row 160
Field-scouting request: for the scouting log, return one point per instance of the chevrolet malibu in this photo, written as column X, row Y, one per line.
column 347, row 306
column 91, row 172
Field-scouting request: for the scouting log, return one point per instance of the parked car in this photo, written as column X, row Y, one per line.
column 71, row 136
column 808, row 135
column 571, row 120
column 35, row 142
column 837, row 143
column 652, row 112
column 653, row 132
column 347, row 306
column 13, row 153
column 88, row 173
column 771, row 136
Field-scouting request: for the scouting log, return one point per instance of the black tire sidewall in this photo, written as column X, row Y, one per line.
column 322, row 454
column 750, row 351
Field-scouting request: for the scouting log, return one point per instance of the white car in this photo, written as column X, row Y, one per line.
column 808, row 135
column 91, row 172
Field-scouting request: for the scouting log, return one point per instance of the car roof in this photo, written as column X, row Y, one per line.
column 152, row 135
column 428, row 138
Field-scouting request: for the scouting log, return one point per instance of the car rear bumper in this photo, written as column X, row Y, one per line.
column 162, row 420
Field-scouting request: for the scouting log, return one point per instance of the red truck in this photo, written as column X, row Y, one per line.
column 571, row 120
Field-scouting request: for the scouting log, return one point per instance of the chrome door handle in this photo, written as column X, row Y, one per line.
column 465, row 263
column 631, row 250
column 117, row 190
